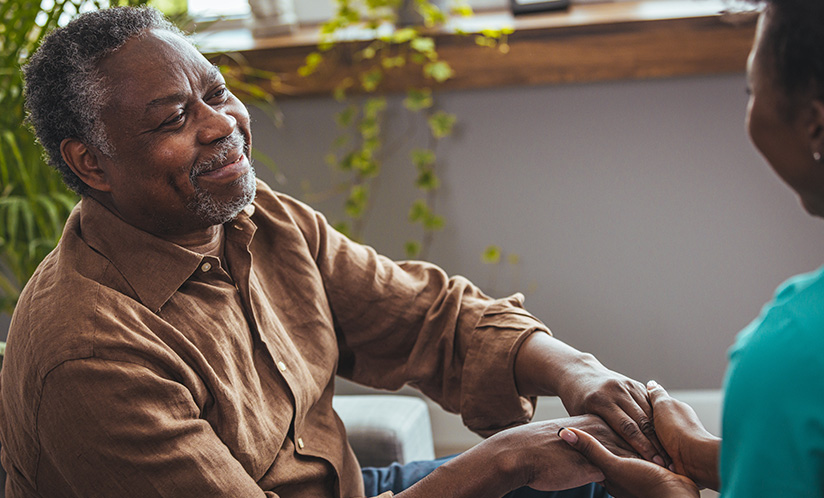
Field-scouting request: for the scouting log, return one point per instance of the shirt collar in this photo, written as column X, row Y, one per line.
column 155, row 268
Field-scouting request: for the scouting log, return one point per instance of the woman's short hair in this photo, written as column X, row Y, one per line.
column 794, row 39
column 64, row 89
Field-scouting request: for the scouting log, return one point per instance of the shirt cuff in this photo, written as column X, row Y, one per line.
column 490, row 400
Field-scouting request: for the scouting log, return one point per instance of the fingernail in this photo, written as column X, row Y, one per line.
column 657, row 459
column 672, row 468
column 568, row 436
column 652, row 384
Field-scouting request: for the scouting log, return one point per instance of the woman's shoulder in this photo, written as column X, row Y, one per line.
column 792, row 321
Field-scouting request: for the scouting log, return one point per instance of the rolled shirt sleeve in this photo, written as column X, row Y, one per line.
column 409, row 323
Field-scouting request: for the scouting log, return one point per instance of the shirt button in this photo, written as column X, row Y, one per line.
column 300, row 443
column 282, row 366
column 206, row 266
column 249, row 210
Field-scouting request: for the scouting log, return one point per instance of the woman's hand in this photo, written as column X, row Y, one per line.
column 694, row 451
column 627, row 477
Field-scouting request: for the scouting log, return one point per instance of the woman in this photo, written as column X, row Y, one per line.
column 773, row 422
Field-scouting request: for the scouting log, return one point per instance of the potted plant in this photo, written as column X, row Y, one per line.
column 401, row 37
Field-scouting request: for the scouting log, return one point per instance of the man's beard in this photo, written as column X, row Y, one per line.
column 204, row 205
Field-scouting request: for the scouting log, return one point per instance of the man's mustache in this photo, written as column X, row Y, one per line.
column 224, row 149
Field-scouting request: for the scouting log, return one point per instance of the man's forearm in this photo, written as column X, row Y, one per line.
column 543, row 363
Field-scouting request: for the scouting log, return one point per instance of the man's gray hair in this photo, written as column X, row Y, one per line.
column 65, row 90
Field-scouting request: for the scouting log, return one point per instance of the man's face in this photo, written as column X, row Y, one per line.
column 181, row 141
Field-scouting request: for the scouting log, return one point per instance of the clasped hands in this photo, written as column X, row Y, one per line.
column 677, row 453
column 693, row 450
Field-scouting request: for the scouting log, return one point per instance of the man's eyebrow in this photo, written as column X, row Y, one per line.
column 211, row 75
column 167, row 100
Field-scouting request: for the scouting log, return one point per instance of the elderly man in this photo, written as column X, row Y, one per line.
column 184, row 337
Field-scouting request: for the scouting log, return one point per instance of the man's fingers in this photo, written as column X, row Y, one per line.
column 643, row 419
column 590, row 447
column 627, row 420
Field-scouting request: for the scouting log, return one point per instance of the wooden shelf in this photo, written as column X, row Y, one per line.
column 589, row 42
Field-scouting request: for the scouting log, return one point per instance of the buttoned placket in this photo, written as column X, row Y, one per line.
column 241, row 237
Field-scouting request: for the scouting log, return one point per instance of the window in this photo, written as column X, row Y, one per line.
column 218, row 8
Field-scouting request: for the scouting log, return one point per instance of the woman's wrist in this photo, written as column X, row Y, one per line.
column 702, row 464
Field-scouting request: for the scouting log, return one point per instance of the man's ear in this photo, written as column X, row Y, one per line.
column 86, row 164
column 815, row 127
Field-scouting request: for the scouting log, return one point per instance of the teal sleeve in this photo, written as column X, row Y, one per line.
column 773, row 422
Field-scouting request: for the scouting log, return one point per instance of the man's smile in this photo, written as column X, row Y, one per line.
column 230, row 170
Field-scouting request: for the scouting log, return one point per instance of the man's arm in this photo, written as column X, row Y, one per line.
column 109, row 428
column 546, row 366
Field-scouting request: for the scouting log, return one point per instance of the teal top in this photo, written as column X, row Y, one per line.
column 773, row 420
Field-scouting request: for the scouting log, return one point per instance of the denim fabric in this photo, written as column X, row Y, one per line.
column 397, row 478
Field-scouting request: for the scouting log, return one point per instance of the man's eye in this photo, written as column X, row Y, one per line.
column 220, row 93
column 177, row 118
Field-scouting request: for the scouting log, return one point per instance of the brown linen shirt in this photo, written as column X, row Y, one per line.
column 136, row 367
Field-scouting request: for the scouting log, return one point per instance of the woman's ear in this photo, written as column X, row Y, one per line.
column 86, row 163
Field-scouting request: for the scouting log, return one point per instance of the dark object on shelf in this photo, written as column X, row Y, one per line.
column 529, row 6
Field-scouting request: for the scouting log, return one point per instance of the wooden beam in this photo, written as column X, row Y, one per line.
column 590, row 42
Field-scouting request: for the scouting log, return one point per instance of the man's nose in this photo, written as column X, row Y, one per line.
column 214, row 124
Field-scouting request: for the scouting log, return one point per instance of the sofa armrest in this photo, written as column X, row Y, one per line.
column 383, row 429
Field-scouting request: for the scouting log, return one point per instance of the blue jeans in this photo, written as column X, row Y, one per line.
column 397, row 478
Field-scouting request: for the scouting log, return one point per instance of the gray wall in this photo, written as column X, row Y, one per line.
column 649, row 229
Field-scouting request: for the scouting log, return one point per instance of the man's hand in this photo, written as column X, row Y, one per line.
column 693, row 449
column 528, row 455
column 547, row 366
column 629, row 477
column 546, row 462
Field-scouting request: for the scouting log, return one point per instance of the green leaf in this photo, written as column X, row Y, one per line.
column 418, row 99
column 422, row 158
column 404, row 35
column 347, row 163
column 441, row 124
column 341, row 88
column 439, row 71
column 373, row 106
column 345, row 117
column 311, row 64
column 462, row 10
column 344, row 228
column 427, row 180
column 356, row 202
column 419, row 211
column 371, row 145
column 412, row 249
column 491, row 255
column 424, row 45
column 371, row 79
column 369, row 128
column 434, row 223
column 368, row 53
column 393, row 62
